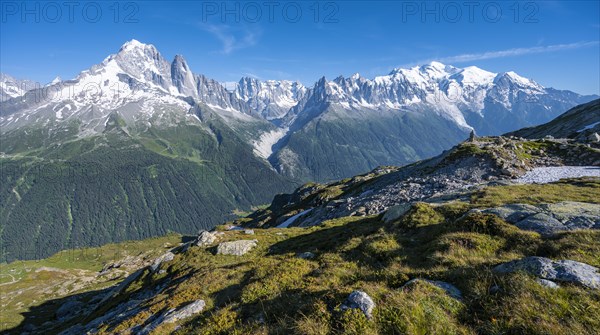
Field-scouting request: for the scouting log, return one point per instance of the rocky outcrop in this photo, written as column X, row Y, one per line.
column 548, row 219
column 567, row 271
column 174, row 315
column 168, row 256
column 236, row 248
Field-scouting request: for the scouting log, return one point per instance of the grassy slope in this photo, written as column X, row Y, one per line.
column 272, row 291
column 26, row 284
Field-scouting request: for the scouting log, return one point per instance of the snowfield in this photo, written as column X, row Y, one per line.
column 291, row 220
column 543, row 175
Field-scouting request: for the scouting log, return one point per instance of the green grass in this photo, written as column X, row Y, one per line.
column 25, row 284
column 581, row 190
column 271, row 291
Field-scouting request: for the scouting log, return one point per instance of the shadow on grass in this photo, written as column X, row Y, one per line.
column 43, row 319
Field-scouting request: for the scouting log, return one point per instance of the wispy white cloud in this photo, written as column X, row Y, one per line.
column 233, row 38
column 515, row 52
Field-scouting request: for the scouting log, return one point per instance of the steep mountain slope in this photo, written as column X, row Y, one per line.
column 330, row 139
column 453, row 244
column 314, row 133
column 121, row 152
column 578, row 122
column 407, row 115
column 13, row 88
column 271, row 98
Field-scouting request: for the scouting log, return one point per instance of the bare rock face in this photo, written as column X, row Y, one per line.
column 236, row 248
column 561, row 271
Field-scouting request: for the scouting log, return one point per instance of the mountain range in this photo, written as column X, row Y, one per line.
column 489, row 237
column 136, row 145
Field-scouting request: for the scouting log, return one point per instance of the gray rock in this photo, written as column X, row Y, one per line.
column 306, row 255
column 395, row 212
column 360, row 300
column 450, row 289
column 205, row 238
column 167, row 257
column 249, row 232
column 185, row 312
column 541, row 223
column 513, row 213
column 547, row 283
column 236, row 248
column 174, row 315
column 548, row 219
column 575, row 215
column 562, row 271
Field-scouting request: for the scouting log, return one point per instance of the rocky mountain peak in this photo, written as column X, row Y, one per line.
column 182, row 76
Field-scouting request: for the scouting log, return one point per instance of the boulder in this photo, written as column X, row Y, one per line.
column 541, row 223
column 450, row 289
column 205, row 238
column 396, row 212
column 360, row 300
column 236, row 248
column 514, row 212
column 561, row 271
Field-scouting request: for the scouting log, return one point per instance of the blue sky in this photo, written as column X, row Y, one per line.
column 554, row 42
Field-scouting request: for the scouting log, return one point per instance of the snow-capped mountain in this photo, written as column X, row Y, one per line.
column 271, row 98
column 406, row 114
column 137, row 81
column 471, row 97
column 12, row 88
column 145, row 89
